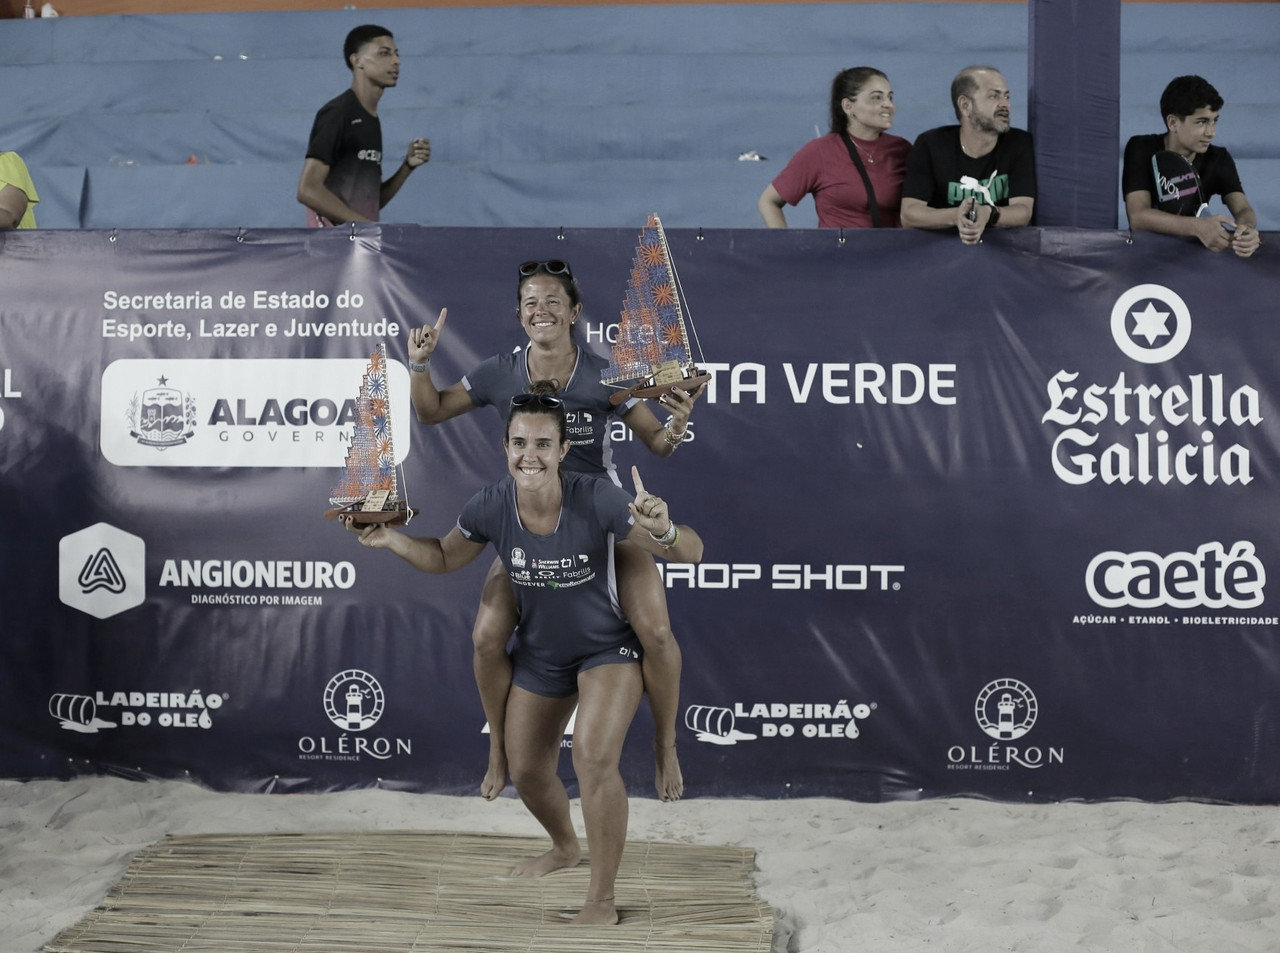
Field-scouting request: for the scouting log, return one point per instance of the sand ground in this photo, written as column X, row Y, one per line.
column 943, row 876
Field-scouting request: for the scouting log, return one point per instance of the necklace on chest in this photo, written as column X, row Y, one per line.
column 558, row 368
column 852, row 142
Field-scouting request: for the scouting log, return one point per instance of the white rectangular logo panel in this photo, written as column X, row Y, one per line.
column 268, row 412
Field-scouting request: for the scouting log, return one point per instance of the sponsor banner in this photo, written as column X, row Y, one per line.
column 977, row 520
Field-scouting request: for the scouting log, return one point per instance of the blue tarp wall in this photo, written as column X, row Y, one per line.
column 575, row 116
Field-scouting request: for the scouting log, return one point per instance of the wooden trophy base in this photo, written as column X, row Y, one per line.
column 397, row 514
column 649, row 387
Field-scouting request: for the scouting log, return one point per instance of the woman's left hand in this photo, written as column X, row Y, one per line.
column 650, row 511
column 680, row 402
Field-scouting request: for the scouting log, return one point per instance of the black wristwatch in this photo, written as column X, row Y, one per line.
column 995, row 216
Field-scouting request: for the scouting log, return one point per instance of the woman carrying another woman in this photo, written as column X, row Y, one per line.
column 555, row 533
column 855, row 171
column 548, row 307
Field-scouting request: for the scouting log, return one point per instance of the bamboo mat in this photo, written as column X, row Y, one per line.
column 402, row 891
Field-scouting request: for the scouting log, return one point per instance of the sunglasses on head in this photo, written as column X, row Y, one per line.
column 553, row 266
column 543, row 400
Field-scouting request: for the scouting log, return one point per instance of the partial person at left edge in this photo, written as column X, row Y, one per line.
column 342, row 176
column 18, row 196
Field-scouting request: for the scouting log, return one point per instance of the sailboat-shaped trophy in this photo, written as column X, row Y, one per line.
column 652, row 347
column 369, row 490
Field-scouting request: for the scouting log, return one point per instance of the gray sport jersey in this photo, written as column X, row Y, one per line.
column 564, row 582
column 588, row 412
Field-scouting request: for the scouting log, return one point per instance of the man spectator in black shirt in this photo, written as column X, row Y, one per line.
column 342, row 176
column 977, row 175
column 1190, row 107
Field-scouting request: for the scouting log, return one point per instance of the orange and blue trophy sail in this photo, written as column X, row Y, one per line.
column 652, row 346
column 369, row 490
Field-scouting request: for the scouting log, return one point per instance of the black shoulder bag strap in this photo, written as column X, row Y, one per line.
column 872, row 207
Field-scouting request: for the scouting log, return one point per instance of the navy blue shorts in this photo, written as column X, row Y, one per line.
column 541, row 677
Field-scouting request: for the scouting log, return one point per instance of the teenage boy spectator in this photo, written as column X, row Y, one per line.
column 973, row 176
column 1190, row 107
column 342, row 176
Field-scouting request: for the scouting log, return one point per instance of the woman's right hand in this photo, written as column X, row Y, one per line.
column 423, row 340
column 649, row 511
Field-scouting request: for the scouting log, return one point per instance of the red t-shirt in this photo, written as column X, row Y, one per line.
column 823, row 167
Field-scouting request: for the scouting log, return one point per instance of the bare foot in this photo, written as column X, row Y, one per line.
column 598, row 912
column 554, row 859
column 667, row 777
column 495, row 777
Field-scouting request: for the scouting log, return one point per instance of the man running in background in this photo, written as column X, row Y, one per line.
column 342, row 175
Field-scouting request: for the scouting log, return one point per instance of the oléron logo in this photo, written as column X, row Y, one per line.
column 354, row 702
column 1006, row 709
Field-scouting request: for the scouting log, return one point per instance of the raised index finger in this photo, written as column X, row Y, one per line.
column 635, row 476
column 444, row 313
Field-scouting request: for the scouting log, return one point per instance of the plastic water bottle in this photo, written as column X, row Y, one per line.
column 28, row 12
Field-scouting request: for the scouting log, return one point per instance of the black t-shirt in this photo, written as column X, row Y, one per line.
column 937, row 163
column 1216, row 169
column 348, row 139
